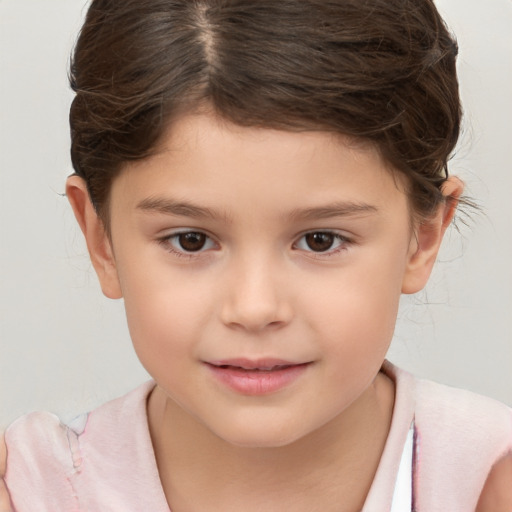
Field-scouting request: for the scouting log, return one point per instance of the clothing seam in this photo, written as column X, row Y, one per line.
column 77, row 460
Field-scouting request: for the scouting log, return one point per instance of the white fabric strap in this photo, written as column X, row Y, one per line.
column 402, row 497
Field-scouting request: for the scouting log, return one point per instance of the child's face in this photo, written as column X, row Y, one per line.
column 299, row 246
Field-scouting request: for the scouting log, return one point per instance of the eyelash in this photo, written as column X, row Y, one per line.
column 167, row 243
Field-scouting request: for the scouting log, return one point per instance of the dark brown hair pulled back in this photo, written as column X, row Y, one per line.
column 381, row 70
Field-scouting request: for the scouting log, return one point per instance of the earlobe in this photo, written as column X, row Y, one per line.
column 428, row 237
column 96, row 237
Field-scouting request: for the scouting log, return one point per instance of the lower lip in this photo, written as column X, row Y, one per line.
column 257, row 382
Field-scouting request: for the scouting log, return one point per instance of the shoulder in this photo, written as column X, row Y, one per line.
column 39, row 462
column 459, row 412
column 37, row 435
column 49, row 462
column 462, row 437
column 42, row 435
column 449, row 410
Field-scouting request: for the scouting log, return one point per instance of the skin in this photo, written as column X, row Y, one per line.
column 497, row 493
column 5, row 502
column 257, row 289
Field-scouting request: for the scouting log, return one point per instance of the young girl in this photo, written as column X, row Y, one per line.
column 260, row 182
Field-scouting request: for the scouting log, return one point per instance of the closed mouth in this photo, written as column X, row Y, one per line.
column 257, row 369
column 255, row 365
column 257, row 377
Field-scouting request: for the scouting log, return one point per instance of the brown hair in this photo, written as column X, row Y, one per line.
column 380, row 70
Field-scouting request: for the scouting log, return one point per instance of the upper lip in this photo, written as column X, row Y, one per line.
column 254, row 364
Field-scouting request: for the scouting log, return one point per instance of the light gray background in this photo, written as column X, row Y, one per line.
column 65, row 348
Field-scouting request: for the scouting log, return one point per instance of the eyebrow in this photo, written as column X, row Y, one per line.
column 178, row 208
column 337, row 209
column 170, row 206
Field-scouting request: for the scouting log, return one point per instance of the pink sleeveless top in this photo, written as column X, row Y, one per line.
column 104, row 461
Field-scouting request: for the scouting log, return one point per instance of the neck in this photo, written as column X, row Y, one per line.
column 335, row 464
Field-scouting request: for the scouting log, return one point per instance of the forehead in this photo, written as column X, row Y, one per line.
column 206, row 157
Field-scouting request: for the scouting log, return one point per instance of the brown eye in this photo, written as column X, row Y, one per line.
column 319, row 241
column 192, row 241
column 188, row 243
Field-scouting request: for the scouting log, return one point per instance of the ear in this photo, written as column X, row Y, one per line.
column 96, row 237
column 428, row 237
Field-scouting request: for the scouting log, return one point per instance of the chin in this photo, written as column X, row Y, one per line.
column 263, row 437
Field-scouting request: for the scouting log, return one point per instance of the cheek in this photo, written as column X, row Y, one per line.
column 166, row 312
column 354, row 314
column 363, row 296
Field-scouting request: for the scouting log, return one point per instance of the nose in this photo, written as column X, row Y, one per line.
column 256, row 297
